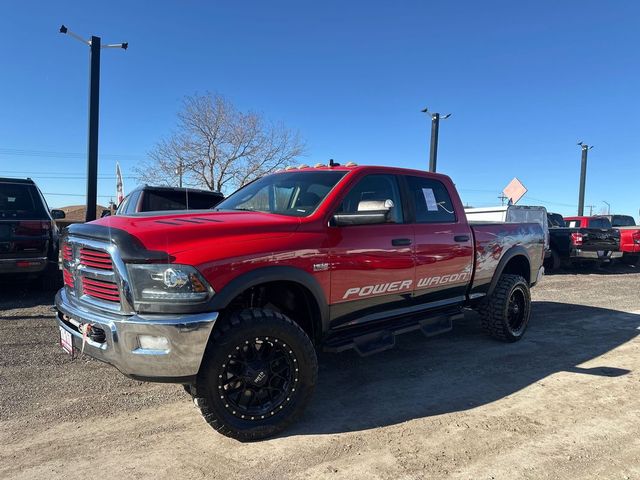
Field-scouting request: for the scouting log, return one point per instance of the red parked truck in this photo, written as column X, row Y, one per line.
column 235, row 303
column 629, row 237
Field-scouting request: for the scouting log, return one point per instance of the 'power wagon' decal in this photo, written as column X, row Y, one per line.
column 401, row 285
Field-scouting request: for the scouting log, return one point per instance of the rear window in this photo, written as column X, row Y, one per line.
column 20, row 201
column 599, row 223
column 573, row 223
column 623, row 221
column 175, row 200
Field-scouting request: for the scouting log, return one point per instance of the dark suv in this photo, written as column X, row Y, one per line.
column 28, row 233
column 155, row 199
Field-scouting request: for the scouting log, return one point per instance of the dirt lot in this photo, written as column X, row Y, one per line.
column 561, row 404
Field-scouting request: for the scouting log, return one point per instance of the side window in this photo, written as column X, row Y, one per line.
column 432, row 201
column 374, row 188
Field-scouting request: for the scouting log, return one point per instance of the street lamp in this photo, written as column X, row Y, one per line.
column 94, row 102
column 435, row 127
column 583, row 176
column 608, row 206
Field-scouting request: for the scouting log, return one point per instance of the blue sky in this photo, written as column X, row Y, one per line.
column 524, row 81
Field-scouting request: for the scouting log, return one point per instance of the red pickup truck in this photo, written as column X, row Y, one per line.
column 629, row 237
column 235, row 303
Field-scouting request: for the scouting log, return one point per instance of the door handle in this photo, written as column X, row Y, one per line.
column 401, row 242
column 461, row 238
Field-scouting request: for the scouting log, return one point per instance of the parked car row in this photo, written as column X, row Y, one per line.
column 572, row 241
column 592, row 239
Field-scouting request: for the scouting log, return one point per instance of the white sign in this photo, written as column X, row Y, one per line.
column 514, row 191
column 430, row 198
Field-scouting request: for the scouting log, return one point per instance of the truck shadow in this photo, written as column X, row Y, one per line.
column 460, row 370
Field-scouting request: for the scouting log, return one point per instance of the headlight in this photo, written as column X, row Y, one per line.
column 167, row 284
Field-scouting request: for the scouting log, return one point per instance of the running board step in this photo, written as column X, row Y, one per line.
column 375, row 340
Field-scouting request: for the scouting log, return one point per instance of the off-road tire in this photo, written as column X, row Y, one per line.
column 240, row 328
column 494, row 310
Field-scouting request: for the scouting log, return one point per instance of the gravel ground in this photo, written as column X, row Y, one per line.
column 560, row 404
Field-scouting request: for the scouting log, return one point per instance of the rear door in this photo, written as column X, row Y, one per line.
column 372, row 266
column 443, row 243
column 24, row 223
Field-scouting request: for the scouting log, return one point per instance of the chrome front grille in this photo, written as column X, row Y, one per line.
column 94, row 275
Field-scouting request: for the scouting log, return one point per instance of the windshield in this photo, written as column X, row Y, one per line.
column 623, row 221
column 296, row 194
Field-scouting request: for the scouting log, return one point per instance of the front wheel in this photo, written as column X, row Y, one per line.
column 258, row 375
column 505, row 313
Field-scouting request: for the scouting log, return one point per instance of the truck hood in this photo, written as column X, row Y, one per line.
column 190, row 230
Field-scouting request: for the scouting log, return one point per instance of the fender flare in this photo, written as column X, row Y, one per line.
column 273, row 274
column 515, row 251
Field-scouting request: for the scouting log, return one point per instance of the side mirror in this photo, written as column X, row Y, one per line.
column 105, row 213
column 58, row 214
column 370, row 212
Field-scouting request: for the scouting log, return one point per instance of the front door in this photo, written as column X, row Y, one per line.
column 372, row 266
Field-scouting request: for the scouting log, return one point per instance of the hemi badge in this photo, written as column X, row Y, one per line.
column 320, row 267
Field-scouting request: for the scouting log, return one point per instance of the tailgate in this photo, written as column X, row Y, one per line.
column 23, row 238
column 594, row 239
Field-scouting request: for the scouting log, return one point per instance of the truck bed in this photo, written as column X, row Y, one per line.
column 493, row 239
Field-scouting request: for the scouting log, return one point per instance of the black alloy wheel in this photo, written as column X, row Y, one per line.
column 516, row 310
column 259, row 378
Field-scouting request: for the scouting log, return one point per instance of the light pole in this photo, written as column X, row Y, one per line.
column 435, row 127
column 94, row 104
column 583, row 176
column 608, row 206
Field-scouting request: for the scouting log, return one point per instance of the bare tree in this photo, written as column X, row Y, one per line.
column 218, row 147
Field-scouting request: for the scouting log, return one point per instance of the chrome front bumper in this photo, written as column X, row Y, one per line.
column 186, row 335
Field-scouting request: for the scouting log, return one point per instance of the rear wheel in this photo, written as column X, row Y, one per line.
column 505, row 313
column 257, row 376
column 553, row 262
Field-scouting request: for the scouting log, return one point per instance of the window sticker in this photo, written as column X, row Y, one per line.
column 430, row 198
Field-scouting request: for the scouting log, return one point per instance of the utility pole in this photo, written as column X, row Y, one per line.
column 583, row 176
column 591, row 207
column 435, row 128
column 96, row 46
